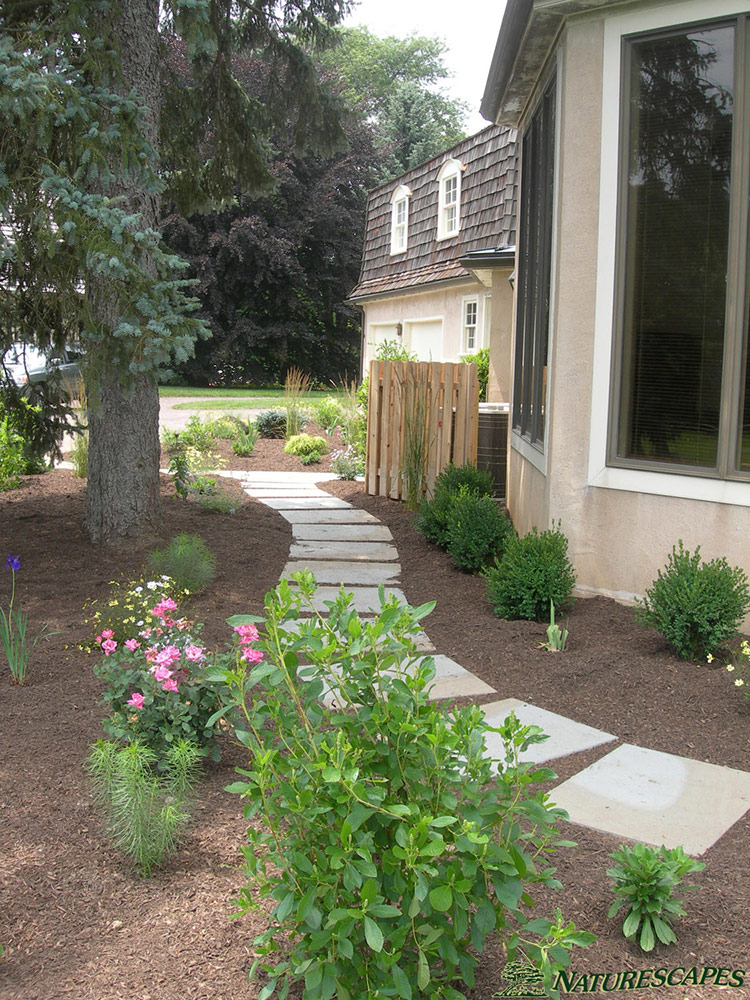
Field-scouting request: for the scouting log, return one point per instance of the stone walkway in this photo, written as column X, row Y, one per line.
column 631, row 792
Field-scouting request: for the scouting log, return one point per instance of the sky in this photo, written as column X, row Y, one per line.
column 469, row 28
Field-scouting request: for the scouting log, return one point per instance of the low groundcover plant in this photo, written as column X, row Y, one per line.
column 13, row 627
column 387, row 842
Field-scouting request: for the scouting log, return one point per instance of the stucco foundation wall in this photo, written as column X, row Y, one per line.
column 445, row 303
column 618, row 539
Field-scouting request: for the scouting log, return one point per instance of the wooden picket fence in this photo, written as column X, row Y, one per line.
column 439, row 402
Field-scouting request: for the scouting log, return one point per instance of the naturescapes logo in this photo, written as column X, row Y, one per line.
column 526, row 981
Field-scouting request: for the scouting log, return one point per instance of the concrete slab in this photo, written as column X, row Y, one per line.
column 306, row 503
column 658, row 798
column 342, row 532
column 367, row 574
column 364, row 598
column 446, row 667
column 351, row 551
column 284, row 477
column 461, row 686
column 284, row 490
column 565, row 735
column 338, row 515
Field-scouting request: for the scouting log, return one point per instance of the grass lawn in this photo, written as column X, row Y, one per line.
column 232, row 399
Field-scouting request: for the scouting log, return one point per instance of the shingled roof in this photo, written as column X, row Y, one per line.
column 488, row 213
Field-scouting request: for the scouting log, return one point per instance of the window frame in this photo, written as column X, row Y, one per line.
column 603, row 472
column 451, row 170
column 400, row 196
column 466, row 302
column 532, row 330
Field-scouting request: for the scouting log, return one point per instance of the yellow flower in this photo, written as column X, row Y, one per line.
column 730, row 667
column 739, row 682
column 710, row 658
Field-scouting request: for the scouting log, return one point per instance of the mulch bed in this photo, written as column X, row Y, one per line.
column 76, row 923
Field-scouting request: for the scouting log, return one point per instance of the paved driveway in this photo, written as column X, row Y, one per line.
column 175, row 419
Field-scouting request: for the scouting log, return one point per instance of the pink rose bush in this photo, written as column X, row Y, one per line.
column 160, row 680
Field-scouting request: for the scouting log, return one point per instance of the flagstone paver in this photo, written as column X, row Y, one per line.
column 631, row 793
column 656, row 797
column 351, row 550
column 565, row 735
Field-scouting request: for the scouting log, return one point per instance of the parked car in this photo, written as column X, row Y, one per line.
column 26, row 365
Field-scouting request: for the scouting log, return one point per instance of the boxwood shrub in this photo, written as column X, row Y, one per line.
column 432, row 520
column 533, row 571
column 477, row 530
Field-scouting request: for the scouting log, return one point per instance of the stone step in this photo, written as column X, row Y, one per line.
column 363, row 573
column 353, row 551
column 338, row 515
column 342, row 532
column 306, row 503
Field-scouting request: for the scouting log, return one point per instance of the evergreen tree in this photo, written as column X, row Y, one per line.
column 81, row 88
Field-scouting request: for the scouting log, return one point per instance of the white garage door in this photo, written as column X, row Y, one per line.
column 425, row 339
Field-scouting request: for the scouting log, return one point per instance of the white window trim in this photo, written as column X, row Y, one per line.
column 401, row 195
column 451, row 168
column 465, row 349
column 599, row 474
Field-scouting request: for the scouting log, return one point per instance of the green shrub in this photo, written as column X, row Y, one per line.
column 188, row 562
column 533, row 571
column 245, row 438
column 220, row 501
column 308, row 447
column 12, row 462
column 389, row 847
column 271, row 424
column 432, row 519
column 644, row 881
column 225, row 428
column 146, row 811
column 477, row 530
column 329, row 413
column 695, row 605
column 482, row 360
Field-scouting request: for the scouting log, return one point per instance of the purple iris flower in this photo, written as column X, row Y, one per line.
column 14, row 563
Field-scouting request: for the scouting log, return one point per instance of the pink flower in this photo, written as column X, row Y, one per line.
column 167, row 656
column 135, row 700
column 169, row 622
column 109, row 646
column 151, row 654
column 132, row 644
column 247, row 633
column 170, row 684
column 166, row 604
column 251, row 655
column 98, row 638
column 194, row 653
column 107, row 633
column 161, row 673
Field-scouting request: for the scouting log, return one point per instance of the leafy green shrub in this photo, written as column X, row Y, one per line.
column 245, row 438
column 432, row 519
column 482, row 360
column 146, row 811
column 271, row 424
column 644, row 881
column 329, row 413
column 387, row 844
column 477, row 530
column 12, row 462
column 188, row 562
column 533, row 571
column 308, row 447
column 695, row 605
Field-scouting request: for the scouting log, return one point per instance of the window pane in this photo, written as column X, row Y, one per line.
column 680, row 141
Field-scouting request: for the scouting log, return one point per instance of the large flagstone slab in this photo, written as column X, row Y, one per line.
column 565, row 735
column 363, row 598
column 342, row 532
column 352, row 551
column 261, row 492
column 458, row 686
column 255, row 478
column 338, row 515
column 306, row 503
column 659, row 798
column 368, row 574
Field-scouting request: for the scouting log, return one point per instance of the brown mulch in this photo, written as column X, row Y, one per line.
column 76, row 923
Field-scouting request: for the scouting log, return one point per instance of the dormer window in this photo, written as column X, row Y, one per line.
column 449, row 199
column 400, row 219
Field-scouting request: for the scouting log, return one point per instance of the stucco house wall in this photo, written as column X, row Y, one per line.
column 621, row 522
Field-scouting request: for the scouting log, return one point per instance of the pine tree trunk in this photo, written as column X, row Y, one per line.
column 122, row 500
